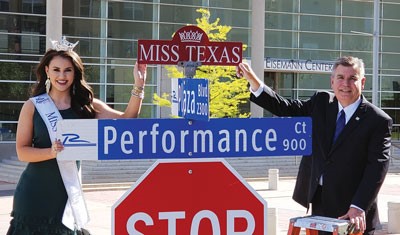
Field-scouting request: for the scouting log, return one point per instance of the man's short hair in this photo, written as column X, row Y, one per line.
column 350, row 61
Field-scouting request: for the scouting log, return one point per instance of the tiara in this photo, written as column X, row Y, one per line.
column 63, row 44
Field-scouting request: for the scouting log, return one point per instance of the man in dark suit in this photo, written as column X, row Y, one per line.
column 342, row 177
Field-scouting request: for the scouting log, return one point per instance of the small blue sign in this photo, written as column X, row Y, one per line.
column 193, row 98
column 220, row 137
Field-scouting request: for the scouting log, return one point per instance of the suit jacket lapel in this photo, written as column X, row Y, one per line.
column 354, row 121
column 330, row 124
column 331, row 121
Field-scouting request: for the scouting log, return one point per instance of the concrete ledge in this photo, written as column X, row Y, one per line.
column 4, row 186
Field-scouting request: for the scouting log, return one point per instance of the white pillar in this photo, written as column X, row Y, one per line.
column 375, row 54
column 272, row 221
column 53, row 21
column 257, row 46
column 393, row 217
column 273, row 179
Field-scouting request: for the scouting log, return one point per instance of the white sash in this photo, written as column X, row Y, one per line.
column 75, row 212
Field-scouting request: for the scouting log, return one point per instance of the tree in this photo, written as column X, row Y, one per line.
column 228, row 93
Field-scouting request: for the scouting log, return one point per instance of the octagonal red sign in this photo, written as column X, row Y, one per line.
column 190, row 197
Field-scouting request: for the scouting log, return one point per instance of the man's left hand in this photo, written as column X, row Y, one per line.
column 356, row 217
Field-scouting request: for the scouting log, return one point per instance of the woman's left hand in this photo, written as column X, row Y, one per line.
column 139, row 73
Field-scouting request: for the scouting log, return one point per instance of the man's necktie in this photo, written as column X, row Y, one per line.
column 340, row 123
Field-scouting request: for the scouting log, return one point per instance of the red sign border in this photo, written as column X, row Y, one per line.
column 161, row 161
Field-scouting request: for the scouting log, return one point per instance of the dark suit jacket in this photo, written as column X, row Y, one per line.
column 354, row 167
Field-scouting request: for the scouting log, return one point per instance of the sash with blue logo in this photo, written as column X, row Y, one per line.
column 75, row 212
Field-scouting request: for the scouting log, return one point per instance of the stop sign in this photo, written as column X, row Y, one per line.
column 193, row 197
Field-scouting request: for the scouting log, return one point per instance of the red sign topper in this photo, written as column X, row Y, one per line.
column 190, row 197
column 190, row 43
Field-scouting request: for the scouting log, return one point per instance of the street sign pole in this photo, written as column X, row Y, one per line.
column 189, row 68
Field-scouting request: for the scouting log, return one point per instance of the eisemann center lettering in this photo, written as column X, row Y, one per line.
column 298, row 65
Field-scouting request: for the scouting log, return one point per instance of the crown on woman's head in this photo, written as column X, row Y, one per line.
column 63, row 44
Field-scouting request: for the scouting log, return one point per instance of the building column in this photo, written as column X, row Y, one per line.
column 375, row 55
column 53, row 21
column 257, row 46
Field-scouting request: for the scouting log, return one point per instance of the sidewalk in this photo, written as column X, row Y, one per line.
column 100, row 203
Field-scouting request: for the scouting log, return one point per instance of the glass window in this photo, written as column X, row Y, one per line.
column 13, row 91
column 178, row 14
column 284, row 53
column 390, row 44
column 81, row 27
column 130, row 11
column 281, row 5
column 314, row 81
column 395, row 115
column 367, row 94
column 390, row 11
column 320, row 7
column 122, row 49
column 16, row 28
column 368, row 83
column 281, row 21
column 31, row 24
column 390, row 61
column 282, row 83
column 230, row 17
column 33, row 44
column 82, row 8
column 319, row 23
column 129, row 30
column 182, row 2
column 167, row 30
column 92, row 73
column 280, row 39
column 391, row 1
column 119, row 73
column 389, row 72
column 7, row 131
column 357, row 42
column 13, row 71
column 365, row 56
column 121, row 94
column 87, row 47
column 357, row 25
column 318, row 54
column 239, row 35
column 34, row 6
column 390, row 28
column 10, row 111
column 390, row 100
column 358, row 8
column 19, row 57
column 26, row 46
column 305, row 94
column 234, row 4
column 319, row 41
column 25, row 6
column 390, row 84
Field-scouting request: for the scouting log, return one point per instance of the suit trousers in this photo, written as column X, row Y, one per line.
column 317, row 208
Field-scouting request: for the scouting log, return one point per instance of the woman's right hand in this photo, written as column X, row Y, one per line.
column 56, row 147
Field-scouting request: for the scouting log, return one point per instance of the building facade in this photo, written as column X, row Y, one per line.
column 291, row 43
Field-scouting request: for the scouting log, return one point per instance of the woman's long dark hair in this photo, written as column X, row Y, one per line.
column 81, row 93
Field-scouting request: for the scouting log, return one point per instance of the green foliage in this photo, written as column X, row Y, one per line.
column 228, row 93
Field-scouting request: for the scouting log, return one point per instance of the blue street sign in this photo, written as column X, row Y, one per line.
column 193, row 98
column 117, row 139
